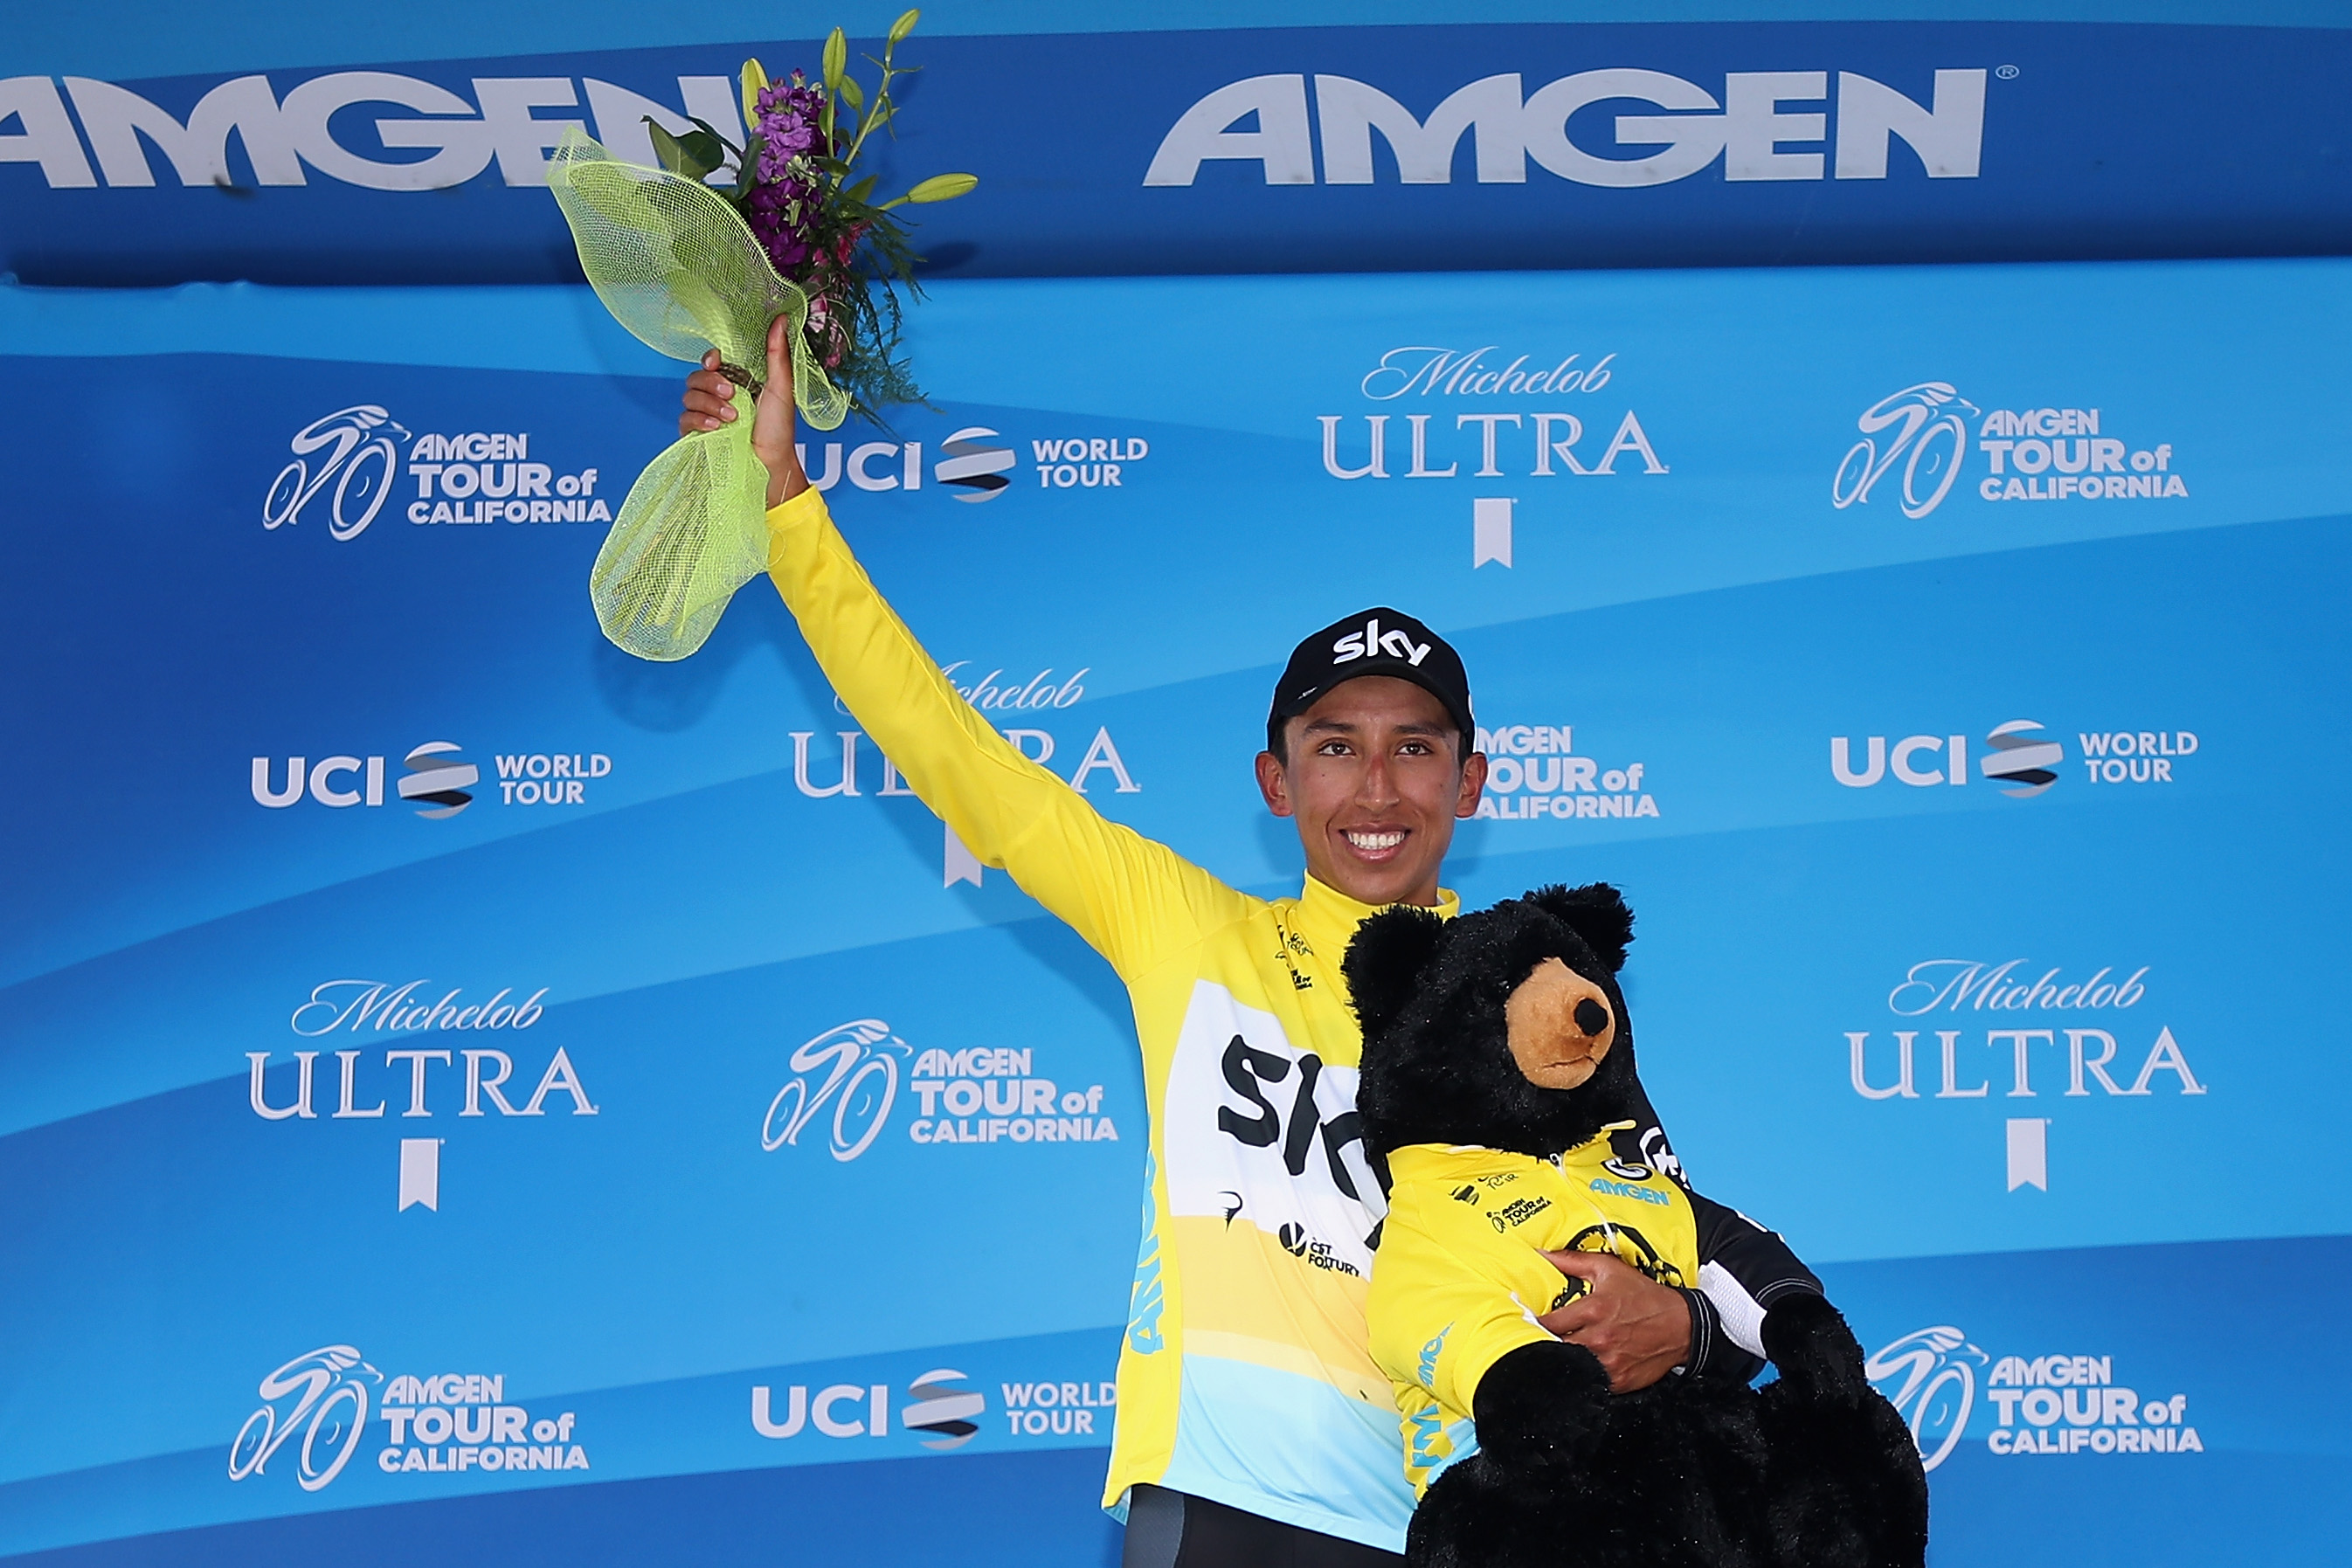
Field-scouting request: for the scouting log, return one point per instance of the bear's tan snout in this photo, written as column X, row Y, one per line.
column 1559, row 1025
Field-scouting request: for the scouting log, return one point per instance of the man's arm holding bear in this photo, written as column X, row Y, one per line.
column 1744, row 1268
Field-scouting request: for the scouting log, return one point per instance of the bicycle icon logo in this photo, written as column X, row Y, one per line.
column 1938, row 1389
column 860, row 1063
column 1930, row 432
column 329, row 1391
column 360, row 457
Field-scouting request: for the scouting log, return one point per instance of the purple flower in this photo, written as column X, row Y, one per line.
column 781, row 205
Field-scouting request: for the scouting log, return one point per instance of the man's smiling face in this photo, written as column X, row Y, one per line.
column 1375, row 780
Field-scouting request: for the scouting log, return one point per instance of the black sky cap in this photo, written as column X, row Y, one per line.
column 1381, row 641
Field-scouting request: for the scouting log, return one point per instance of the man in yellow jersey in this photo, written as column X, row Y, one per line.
column 1253, row 1427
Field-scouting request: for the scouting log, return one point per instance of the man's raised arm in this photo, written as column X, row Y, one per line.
column 1127, row 896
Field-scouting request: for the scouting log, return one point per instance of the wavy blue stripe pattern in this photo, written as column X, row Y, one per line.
column 1698, row 607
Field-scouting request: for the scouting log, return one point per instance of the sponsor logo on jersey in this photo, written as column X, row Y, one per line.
column 1627, row 1189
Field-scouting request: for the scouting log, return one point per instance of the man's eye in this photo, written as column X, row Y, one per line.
column 1333, row 749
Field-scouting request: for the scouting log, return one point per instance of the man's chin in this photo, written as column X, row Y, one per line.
column 1373, row 884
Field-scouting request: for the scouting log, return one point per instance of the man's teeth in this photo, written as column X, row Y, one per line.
column 1376, row 840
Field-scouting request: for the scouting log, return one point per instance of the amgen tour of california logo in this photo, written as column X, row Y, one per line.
column 1918, row 441
column 2055, row 1404
column 978, row 1095
column 317, row 1405
column 351, row 458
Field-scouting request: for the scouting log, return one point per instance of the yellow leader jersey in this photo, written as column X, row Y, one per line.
column 1461, row 1279
column 1244, row 1376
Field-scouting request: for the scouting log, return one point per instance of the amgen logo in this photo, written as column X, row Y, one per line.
column 1745, row 129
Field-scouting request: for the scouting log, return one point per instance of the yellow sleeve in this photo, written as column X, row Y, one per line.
column 1456, row 1305
column 1130, row 898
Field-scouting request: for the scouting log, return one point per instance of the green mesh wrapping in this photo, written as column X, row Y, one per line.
column 676, row 265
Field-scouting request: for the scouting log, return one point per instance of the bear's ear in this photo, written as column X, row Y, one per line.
column 1384, row 963
column 1597, row 913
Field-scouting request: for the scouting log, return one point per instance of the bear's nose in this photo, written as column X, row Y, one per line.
column 1591, row 1017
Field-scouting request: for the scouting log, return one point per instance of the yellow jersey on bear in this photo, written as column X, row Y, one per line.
column 1460, row 1279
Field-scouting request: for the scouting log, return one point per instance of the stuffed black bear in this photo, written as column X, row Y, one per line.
column 1497, row 1060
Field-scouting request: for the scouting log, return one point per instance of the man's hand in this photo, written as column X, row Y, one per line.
column 710, row 402
column 1639, row 1328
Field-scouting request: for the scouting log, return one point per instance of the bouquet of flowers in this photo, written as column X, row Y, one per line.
column 687, row 264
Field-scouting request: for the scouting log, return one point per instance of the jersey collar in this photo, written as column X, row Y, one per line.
column 1328, row 918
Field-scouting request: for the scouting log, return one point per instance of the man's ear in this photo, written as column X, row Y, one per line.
column 1273, row 783
column 1384, row 963
column 1595, row 912
column 1474, row 784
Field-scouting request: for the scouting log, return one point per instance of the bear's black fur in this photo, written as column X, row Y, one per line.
column 1814, row 1470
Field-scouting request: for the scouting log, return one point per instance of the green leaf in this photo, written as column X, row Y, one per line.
column 851, row 94
column 747, row 172
column 711, row 130
column 904, row 26
column 836, row 58
column 755, row 82
column 943, row 188
column 704, row 149
column 676, row 154
column 863, row 191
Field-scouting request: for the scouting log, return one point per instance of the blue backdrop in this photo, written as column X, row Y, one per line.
column 1948, row 661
